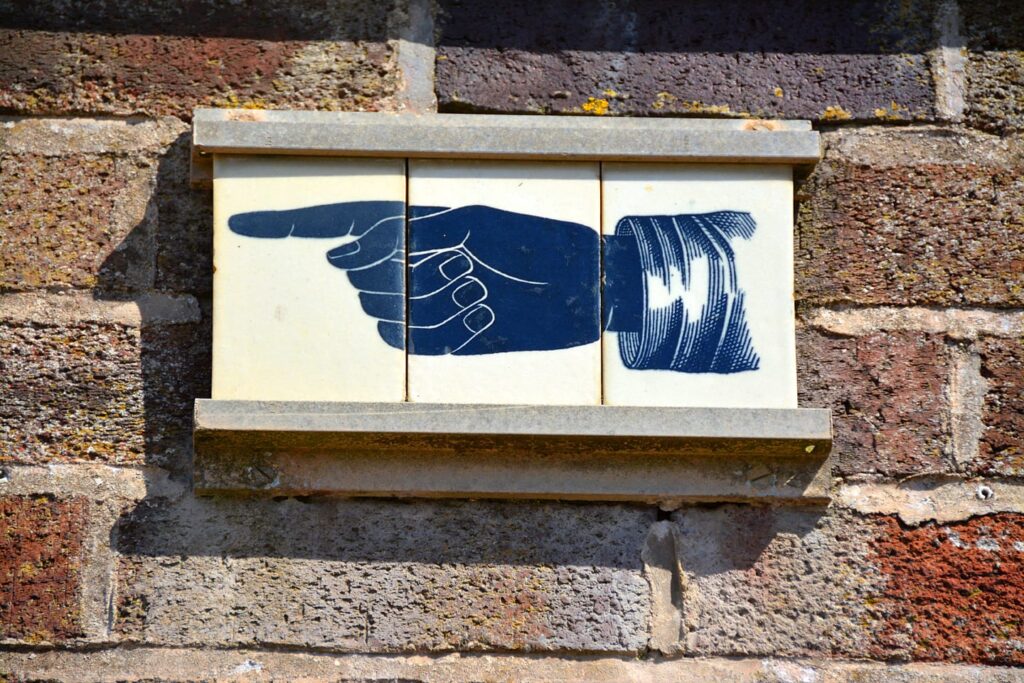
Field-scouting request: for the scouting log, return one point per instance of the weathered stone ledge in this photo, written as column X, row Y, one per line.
column 174, row 664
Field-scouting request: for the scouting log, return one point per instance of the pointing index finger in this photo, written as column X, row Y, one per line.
column 325, row 220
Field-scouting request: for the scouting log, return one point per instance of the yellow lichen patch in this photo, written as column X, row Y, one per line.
column 40, row 635
column 836, row 113
column 662, row 99
column 610, row 93
column 778, row 91
column 233, row 101
column 698, row 107
column 895, row 112
column 596, row 106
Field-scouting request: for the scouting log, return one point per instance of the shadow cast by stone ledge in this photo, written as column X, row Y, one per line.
column 172, row 291
column 373, row 530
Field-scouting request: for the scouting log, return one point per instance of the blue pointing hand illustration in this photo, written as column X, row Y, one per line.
column 483, row 280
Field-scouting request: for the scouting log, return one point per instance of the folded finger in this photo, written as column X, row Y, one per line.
column 437, row 271
column 436, row 310
column 393, row 334
column 386, row 307
column 387, row 277
column 453, row 336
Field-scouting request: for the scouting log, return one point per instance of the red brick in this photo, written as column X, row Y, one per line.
column 37, row 68
column 74, row 221
column 887, row 392
column 1002, row 443
column 929, row 234
column 40, row 562
column 955, row 592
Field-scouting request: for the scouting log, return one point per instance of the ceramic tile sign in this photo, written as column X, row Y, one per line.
column 698, row 294
column 504, row 282
column 303, row 249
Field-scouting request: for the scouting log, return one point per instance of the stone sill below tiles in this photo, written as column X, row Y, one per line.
column 666, row 456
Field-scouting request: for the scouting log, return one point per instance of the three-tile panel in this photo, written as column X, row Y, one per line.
column 506, row 282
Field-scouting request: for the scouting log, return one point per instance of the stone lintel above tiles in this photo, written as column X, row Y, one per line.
column 467, row 136
column 662, row 455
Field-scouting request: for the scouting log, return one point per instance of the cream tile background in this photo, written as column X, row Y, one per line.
column 563, row 191
column 287, row 325
column 764, row 267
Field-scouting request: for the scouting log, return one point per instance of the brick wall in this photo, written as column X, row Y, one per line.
column 910, row 285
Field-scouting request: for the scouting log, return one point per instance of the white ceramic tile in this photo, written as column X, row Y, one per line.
column 289, row 323
column 699, row 286
column 504, row 282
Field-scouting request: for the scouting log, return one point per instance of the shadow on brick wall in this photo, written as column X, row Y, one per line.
column 175, row 334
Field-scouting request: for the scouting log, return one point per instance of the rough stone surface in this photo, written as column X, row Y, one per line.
column 931, row 224
column 831, row 61
column 995, row 64
column 941, row 498
column 888, row 394
column 954, row 592
column 123, row 57
column 780, row 581
column 77, row 203
column 100, row 391
column 75, row 221
column 64, row 136
column 1002, row 442
column 40, row 561
column 104, row 204
column 801, row 581
column 384, row 576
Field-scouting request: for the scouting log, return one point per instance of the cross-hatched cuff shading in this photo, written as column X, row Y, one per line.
column 692, row 317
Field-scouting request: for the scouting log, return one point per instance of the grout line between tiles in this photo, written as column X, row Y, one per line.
column 407, row 283
column 600, row 280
